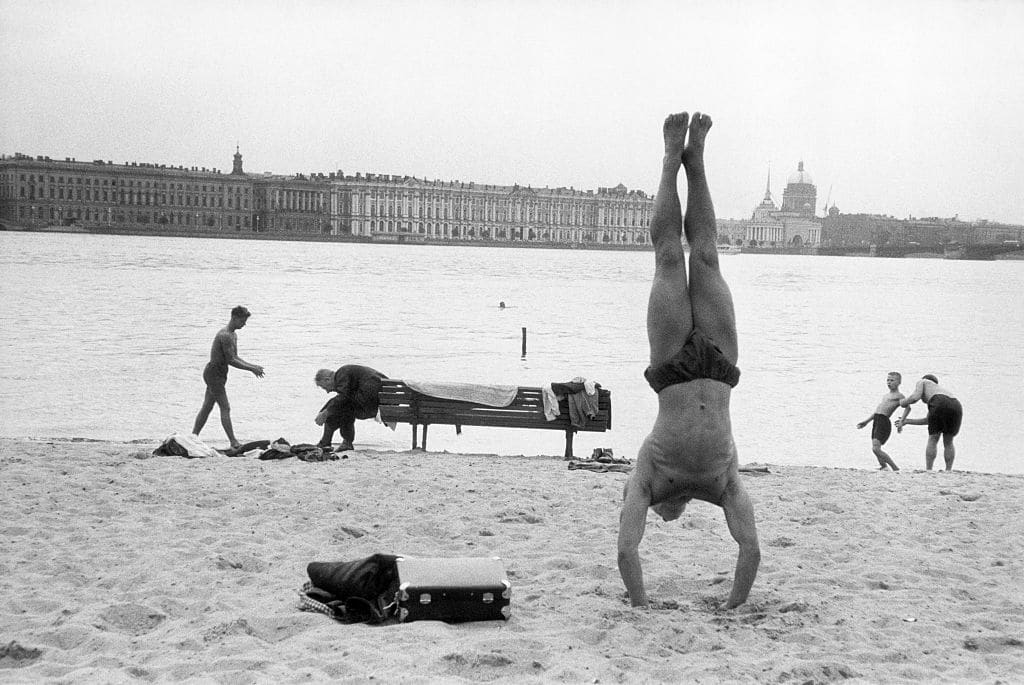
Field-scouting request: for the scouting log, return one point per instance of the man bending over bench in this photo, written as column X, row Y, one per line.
column 691, row 327
column 358, row 389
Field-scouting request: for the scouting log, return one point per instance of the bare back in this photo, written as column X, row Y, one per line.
column 223, row 349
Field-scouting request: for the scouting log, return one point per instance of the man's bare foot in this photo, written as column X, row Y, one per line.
column 675, row 135
column 344, row 447
column 693, row 153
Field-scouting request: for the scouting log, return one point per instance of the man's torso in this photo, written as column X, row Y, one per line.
column 222, row 349
column 690, row 451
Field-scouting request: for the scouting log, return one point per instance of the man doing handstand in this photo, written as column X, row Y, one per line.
column 691, row 327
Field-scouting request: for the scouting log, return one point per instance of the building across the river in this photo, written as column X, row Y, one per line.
column 38, row 192
column 792, row 226
column 43, row 193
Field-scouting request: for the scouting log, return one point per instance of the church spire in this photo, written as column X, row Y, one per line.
column 768, row 185
column 236, row 169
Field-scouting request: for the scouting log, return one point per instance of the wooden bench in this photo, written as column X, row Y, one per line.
column 401, row 404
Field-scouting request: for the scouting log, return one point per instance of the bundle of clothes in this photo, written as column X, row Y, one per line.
column 602, row 461
column 191, row 447
column 581, row 395
column 281, row 449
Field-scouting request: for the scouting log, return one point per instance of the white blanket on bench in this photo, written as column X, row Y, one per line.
column 488, row 395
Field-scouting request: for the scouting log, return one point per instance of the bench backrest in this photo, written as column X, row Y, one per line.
column 398, row 402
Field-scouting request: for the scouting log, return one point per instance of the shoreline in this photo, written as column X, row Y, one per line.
column 869, row 467
column 127, row 567
column 989, row 253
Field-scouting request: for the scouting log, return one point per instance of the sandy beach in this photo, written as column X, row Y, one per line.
column 119, row 566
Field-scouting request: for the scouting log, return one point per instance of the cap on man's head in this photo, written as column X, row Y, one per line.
column 240, row 312
column 930, row 377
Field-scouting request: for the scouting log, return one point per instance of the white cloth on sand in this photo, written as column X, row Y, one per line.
column 488, row 395
column 193, row 446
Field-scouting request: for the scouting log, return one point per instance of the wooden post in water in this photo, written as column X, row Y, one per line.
column 524, row 342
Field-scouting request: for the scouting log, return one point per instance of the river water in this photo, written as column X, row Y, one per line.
column 105, row 337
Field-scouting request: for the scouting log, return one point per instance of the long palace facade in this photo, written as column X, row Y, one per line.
column 37, row 192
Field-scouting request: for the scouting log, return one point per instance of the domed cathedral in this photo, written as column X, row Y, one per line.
column 794, row 224
column 800, row 195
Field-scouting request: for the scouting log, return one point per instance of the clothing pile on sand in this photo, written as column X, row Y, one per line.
column 602, row 461
column 191, row 447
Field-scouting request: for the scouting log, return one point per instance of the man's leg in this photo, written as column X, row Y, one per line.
column 931, row 450
column 710, row 298
column 330, row 425
column 739, row 515
column 347, row 428
column 948, row 451
column 204, row 412
column 225, row 417
column 669, row 319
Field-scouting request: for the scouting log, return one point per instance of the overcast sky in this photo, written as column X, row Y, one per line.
column 902, row 107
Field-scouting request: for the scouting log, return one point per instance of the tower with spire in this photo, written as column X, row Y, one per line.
column 767, row 204
column 236, row 169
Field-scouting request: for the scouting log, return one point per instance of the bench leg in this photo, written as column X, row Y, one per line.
column 424, row 444
column 414, row 436
column 568, row 444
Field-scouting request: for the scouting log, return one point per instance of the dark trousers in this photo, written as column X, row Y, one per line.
column 342, row 418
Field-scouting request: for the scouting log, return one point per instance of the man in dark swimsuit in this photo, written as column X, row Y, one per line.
column 691, row 327
column 945, row 414
column 224, row 353
column 358, row 389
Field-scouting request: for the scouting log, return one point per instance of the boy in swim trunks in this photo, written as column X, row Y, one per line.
column 691, row 327
column 881, row 428
column 224, row 353
column 945, row 414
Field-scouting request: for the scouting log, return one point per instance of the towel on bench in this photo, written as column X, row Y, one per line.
column 487, row 395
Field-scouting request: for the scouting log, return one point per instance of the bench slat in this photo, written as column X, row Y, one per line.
column 401, row 404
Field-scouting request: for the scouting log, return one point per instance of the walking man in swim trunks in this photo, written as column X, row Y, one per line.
column 945, row 414
column 881, row 428
column 691, row 327
column 358, row 389
column 224, row 353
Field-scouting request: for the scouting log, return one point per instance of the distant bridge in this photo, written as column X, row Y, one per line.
column 982, row 251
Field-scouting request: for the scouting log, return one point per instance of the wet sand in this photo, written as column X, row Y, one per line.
column 118, row 566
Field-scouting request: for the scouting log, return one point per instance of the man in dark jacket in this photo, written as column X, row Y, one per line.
column 358, row 388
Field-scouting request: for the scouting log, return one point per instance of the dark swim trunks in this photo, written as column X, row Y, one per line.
column 945, row 414
column 699, row 358
column 881, row 428
column 215, row 376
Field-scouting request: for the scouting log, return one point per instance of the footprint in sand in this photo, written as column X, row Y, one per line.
column 13, row 655
column 994, row 643
column 133, row 619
